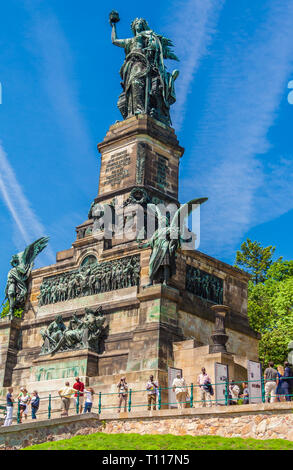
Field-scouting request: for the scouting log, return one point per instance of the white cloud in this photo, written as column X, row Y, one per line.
column 229, row 163
column 58, row 77
column 192, row 32
column 27, row 223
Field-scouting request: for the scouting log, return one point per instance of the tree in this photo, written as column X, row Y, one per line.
column 270, row 311
column 255, row 259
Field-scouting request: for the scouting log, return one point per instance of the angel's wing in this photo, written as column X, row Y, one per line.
column 167, row 44
column 176, row 222
column 32, row 251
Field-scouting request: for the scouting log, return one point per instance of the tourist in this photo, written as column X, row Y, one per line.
column 234, row 392
column 152, row 390
column 206, row 391
column 122, row 394
column 180, row 389
column 35, row 403
column 89, row 393
column 9, row 408
column 78, row 397
column 271, row 382
column 24, row 400
column 282, row 389
column 65, row 394
column 245, row 393
column 288, row 378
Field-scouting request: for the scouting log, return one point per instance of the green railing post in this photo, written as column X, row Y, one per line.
column 50, row 406
column 18, row 413
column 160, row 398
column 191, row 395
column 263, row 393
column 100, row 402
column 129, row 401
column 226, row 393
column 77, row 403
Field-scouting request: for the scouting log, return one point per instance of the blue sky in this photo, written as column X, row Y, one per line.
column 60, row 78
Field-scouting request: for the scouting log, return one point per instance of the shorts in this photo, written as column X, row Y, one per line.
column 81, row 400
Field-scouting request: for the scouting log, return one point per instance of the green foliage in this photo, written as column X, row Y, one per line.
column 255, row 259
column 270, row 311
column 5, row 311
column 103, row 441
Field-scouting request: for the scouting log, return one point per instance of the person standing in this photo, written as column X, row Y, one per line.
column 35, row 403
column 271, row 382
column 282, row 388
column 65, row 394
column 9, row 407
column 79, row 397
column 179, row 387
column 89, row 393
column 122, row 394
column 245, row 394
column 24, row 400
column 204, row 382
column 234, row 391
column 288, row 378
column 152, row 389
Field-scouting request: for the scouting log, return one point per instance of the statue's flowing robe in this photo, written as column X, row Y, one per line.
column 161, row 247
column 137, row 67
column 17, row 279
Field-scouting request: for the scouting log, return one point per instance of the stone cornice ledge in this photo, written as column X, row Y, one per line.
column 260, row 408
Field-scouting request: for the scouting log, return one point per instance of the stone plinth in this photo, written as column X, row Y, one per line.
column 139, row 151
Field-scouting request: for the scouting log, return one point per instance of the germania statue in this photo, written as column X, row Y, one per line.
column 147, row 86
column 22, row 264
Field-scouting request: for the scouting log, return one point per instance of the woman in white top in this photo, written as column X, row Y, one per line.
column 180, row 389
column 89, row 392
column 24, row 399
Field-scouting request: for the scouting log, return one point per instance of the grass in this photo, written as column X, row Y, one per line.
column 101, row 441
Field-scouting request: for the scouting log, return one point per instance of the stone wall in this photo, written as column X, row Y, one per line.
column 262, row 421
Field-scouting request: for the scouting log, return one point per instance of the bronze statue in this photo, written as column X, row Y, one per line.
column 147, row 86
column 91, row 279
column 17, row 282
column 53, row 334
column 166, row 240
column 81, row 333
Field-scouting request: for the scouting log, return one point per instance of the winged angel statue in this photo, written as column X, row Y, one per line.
column 167, row 239
column 148, row 88
column 22, row 264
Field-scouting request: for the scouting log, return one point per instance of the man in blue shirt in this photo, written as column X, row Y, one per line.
column 9, row 408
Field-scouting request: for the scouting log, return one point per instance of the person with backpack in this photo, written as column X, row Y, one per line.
column 206, row 389
column 35, row 403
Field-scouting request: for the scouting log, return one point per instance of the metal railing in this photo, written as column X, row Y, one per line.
column 130, row 402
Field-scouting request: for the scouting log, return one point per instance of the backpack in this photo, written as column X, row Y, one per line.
column 36, row 403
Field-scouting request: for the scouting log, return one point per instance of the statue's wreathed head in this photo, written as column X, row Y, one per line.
column 138, row 25
column 14, row 261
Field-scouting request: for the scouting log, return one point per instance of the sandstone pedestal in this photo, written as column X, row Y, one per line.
column 139, row 156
